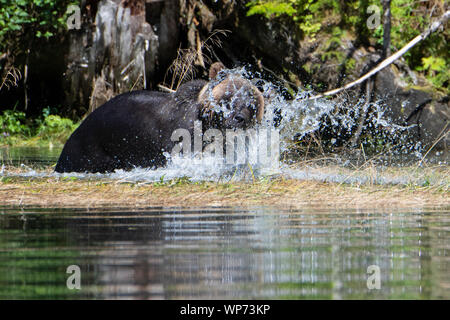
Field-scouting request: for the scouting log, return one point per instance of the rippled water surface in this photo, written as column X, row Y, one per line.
column 226, row 253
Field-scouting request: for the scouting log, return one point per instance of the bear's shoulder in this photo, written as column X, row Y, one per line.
column 139, row 97
column 190, row 90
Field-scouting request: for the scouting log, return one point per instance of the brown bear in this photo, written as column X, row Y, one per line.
column 134, row 129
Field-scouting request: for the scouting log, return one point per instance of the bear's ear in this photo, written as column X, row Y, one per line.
column 261, row 104
column 214, row 69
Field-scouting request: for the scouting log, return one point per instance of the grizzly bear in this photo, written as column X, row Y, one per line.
column 134, row 129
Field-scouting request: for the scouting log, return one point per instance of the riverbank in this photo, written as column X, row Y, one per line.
column 45, row 131
column 73, row 192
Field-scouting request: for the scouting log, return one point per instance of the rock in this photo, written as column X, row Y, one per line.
column 409, row 106
column 433, row 123
column 401, row 102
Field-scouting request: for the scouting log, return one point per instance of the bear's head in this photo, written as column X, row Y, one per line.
column 231, row 98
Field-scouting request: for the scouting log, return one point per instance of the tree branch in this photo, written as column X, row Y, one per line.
column 434, row 26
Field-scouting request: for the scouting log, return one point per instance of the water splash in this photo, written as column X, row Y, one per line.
column 335, row 122
column 296, row 120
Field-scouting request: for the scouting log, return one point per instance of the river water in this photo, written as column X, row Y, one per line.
column 228, row 253
column 219, row 253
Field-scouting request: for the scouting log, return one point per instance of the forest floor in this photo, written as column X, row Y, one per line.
column 59, row 191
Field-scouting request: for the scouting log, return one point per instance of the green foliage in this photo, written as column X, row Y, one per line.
column 54, row 127
column 16, row 129
column 350, row 64
column 436, row 70
column 21, row 19
column 433, row 64
column 271, row 9
column 329, row 19
column 431, row 56
column 303, row 12
column 13, row 123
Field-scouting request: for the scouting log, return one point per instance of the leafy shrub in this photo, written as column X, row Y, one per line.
column 13, row 123
column 28, row 19
column 436, row 71
column 55, row 128
column 271, row 9
column 304, row 12
column 15, row 129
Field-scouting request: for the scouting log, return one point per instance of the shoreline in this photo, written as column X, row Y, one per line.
column 55, row 192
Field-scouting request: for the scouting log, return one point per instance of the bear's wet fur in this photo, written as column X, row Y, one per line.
column 134, row 129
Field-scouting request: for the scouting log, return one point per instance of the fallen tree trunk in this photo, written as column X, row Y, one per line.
column 389, row 60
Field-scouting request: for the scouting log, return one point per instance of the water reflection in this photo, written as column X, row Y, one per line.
column 36, row 156
column 225, row 253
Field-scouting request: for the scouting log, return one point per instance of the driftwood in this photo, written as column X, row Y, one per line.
column 434, row 26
